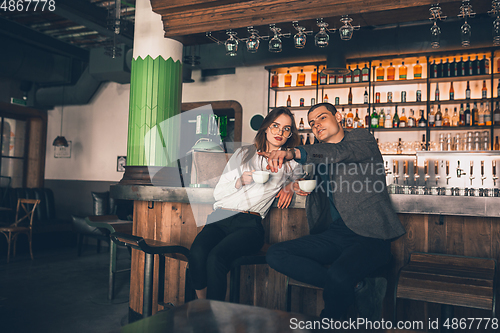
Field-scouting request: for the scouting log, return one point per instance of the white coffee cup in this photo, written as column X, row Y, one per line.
column 260, row 176
column 307, row 185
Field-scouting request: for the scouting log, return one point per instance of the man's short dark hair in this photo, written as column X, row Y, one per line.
column 328, row 106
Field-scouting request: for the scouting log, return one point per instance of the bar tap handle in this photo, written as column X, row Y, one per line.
column 471, row 177
column 387, row 170
column 405, row 171
column 482, row 173
column 436, row 171
column 494, row 167
column 426, row 170
column 447, row 172
column 415, row 168
column 460, row 172
column 395, row 170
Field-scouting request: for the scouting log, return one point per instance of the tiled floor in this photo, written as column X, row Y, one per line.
column 60, row 292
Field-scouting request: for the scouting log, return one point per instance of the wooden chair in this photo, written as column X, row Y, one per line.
column 21, row 225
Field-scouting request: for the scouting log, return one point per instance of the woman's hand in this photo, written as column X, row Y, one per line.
column 297, row 189
column 245, row 179
column 276, row 158
column 285, row 196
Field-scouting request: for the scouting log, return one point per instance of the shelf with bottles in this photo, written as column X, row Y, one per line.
column 459, row 128
column 292, row 88
column 461, row 101
column 344, row 85
column 393, row 104
column 470, row 66
column 399, row 82
column 486, row 77
column 386, row 129
column 395, row 71
column 297, row 76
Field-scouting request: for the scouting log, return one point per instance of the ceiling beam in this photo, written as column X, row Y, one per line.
column 206, row 15
column 92, row 17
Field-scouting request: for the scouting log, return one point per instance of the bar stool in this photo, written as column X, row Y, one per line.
column 150, row 248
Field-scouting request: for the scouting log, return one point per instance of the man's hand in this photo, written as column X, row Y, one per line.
column 297, row 189
column 276, row 158
column 245, row 179
column 285, row 196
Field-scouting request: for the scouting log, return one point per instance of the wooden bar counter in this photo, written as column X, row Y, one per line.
column 438, row 224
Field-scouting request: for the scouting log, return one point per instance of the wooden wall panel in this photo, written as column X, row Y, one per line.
column 437, row 234
column 454, row 235
column 477, row 237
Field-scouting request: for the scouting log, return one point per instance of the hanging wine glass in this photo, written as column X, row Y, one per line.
column 275, row 44
column 435, row 32
column 496, row 31
column 299, row 40
column 322, row 38
column 231, row 44
column 253, row 41
column 465, row 33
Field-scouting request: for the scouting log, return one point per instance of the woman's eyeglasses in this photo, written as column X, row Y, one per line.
column 277, row 130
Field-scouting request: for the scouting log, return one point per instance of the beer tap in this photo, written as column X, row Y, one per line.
column 447, row 172
column 405, row 172
column 426, row 172
column 482, row 173
column 395, row 170
column 471, row 177
column 436, row 171
column 494, row 167
column 387, row 170
column 460, row 172
column 415, row 168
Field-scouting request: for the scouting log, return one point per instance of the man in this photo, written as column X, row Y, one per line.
column 350, row 216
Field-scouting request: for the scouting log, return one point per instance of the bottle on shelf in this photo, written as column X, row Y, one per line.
column 447, row 68
column 403, row 71
column 356, row 121
column 403, row 121
column 332, row 79
column 440, row 69
column 365, row 74
column 434, row 69
column 487, row 115
column 389, row 97
column 274, row 80
column 323, row 78
column 314, row 78
column 468, row 118
column 388, row 119
column 497, row 146
column 374, row 119
column 348, row 76
column 461, row 67
column 461, row 121
column 377, row 97
column 288, row 79
column 438, row 121
column 403, row 96
column 476, row 63
column 365, row 96
column 289, row 101
column 454, row 68
column 417, row 71
column 368, row 118
column 480, row 114
column 301, row 79
column 344, row 116
column 452, row 92
column 496, row 114
column 474, row 115
column 467, row 91
column 337, row 100
column 436, row 93
column 484, row 90
column 340, row 78
column 395, row 120
column 301, row 101
column 356, row 75
column 455, row 119
column 349, row 120
column 411, row 119
column 349, row 96
column 302, row 140
column 484, row 65
column 301, row 124
column 432, row 117
column 498, row 89
column 422, row 122
column 381, row 119
column 391, row 72
column 325, row 98
column 423, row 144
column 469, row 67
column 380, row 73
column 446, row 118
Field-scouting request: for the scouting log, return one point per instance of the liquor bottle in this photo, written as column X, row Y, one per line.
column 340, row 78
column 301, row 79
column 365, row 96
column 388, row 119
column 368, row 118
column 423, row 144
column 403, row 121
column 498, row 89
column 301, row 101
column 356, row 75
column 461, row 67
column 288, row 79
column 474, row 115
column 343, row 118
column 467, row 91
column 403, row 71
column 310, row 139
column 434, row 69
column 440, row 69
column 323, row 78
column 395, row 120
column 314, row 78
column 484, row 90
column 484, row 65
column 391, row 72
column 325, row 99
column 348, row 76
column 332, row 79
column 446, row 118
column 469, row 67
column 432, row 117
column 289, row 101
column 381, row 119
column 411, row 119
column 389, row 97
column 349, row 120
column 377, row 98
column 487, row 115
column 274, row 80
column 357, row 122
column 403, row 96
column 476, row 66
column 480, row 114
column 454, row 68
column 380, row 73
column 301, row 124
column 497, row 146
column 468, row 119
column 349, row 96
column 438, row 121
column 374, row 119
column 422, row 122
column 455, row 119
column 417, row 71
column 496, row 114
column 461, row 121
column 452, row 92
column 337, row 100
column 365, row 74
column 436, row 93
column 447, row 68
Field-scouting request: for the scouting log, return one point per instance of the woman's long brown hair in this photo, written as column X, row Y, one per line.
column 260, row 141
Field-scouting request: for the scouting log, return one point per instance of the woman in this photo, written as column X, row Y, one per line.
column 235, row 228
